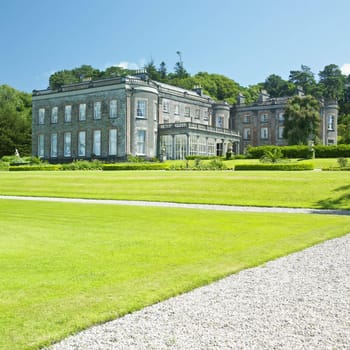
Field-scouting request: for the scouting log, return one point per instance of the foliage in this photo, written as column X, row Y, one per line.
column 135, row 166
column 276, row 167
column 15, row 121
column 277, row 87
column 274, row 155
column 301, row 119
column 332, row 151
column 43, row 167
column 332, row 82
column 303, row 78
column 83, row 165
column 343, row 162
column 344, row 129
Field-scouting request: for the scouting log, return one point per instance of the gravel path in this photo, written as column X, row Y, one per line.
column 301, row 301
column 182, row 205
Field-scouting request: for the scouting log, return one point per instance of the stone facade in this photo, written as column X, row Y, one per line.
column 261, row 123
column 113, row 118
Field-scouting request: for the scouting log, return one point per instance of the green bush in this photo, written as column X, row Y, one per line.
column 83, row 165
column 287, row 151
column 278, row 166
column 43, row 167
column 135, row 166
column 193, row 157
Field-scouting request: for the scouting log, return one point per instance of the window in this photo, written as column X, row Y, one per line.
column 177, row 109
column 264, row 118
column 197, row 114
column 67, row 142
column 246, row 133
column 193, row 145
column 180, row 146
column 280, row 132
column 112, row 142
column 41, row 149
column 202, row 146
column 187, row 112
column 41, row 116
column 330, row 126
column 206, row 116
column 53, row 145
column 68, row 113
column 155, row 111
column 113, row 109
column 82, row 111
column 264, row 133
column 82, row 143
column 97, row 110
column 166, row 143
column 280, row 117
column 141, row 108
column 141, row 142
column 96, row 147
column 211, row 147
column 165, row 106
column 219, row 121
column 246, row 119
column 54, row 115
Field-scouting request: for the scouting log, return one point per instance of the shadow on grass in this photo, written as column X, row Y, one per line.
column 340, row 201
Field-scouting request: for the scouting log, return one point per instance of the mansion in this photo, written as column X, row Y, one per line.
column 113, row 118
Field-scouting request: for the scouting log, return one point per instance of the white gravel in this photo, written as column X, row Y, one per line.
column 301, row 301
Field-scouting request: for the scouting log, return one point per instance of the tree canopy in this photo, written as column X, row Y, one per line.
column 301, row 120
column 15, row 121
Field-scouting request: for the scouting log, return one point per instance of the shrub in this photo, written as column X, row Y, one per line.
column 275, row 155
column 43, row 167
column 135, row 166
column 83, row 165
column 278, row 167
column 343, row 162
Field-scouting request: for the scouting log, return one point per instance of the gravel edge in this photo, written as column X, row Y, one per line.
column 301, row 301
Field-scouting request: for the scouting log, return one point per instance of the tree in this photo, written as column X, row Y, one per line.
column 15, row 121
column 344, row 129
column 162, row 71
column 303, row 78
column 301, row 120
column 152, row 71
column 277, row 87
column 332, row 82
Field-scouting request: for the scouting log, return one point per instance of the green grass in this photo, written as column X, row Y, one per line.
column 304, row 189
column 67, row 266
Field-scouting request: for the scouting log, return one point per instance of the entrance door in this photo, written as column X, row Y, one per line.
column 219, row 148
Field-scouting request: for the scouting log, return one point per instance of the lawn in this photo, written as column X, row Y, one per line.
column 66, row 266
column 306, row 189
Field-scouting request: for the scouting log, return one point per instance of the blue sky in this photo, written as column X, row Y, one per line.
column 246, row 40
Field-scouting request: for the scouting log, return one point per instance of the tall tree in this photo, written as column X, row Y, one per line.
column 15, row 121
column 332, row 82
column 301, row 120
column 277, row 87
column 152, row 71
column 162, row 71
column 303, row 78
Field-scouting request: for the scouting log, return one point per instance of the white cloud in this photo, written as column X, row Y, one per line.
column 345, row 68
column 127, row 65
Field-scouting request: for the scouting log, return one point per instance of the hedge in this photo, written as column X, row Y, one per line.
column 35, row 168
column 302, row 151
column 278, row 166
column 135, row 166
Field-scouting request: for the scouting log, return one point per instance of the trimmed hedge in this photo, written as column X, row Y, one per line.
column 278, row 166
column 35, row 168
column 302, row 151
column 135, row 166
